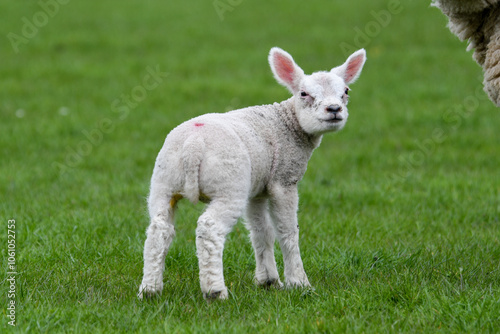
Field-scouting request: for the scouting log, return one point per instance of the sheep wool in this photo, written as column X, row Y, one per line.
column 246, row 162
column 478, row 21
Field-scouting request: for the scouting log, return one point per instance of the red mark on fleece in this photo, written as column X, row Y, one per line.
column 198, row 124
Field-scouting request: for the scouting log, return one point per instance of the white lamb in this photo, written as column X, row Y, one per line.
column 246, row 162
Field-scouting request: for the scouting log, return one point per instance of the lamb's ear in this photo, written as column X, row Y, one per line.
column 351, row 69
column 285, row 70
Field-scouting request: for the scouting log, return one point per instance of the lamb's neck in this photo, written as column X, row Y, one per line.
column 286, row 113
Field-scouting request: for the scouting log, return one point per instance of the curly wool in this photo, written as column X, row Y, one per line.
column 478, row 21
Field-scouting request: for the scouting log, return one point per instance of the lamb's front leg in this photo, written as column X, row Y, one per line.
column 263, row 237
column 284, row 203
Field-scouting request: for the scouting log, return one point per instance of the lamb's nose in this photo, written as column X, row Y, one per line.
column 334, row 108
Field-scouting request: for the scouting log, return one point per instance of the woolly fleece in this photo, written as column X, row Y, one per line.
column 478, row 21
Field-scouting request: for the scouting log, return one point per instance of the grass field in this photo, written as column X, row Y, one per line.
column 399, row 212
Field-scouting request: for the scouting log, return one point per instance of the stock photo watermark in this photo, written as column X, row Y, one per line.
column 121, row 108
column 223, row 6
column 453, row 118
column 364, row 36
column 31, row 26
column 11, row 272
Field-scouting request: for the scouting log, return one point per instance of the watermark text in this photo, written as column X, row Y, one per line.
column 223, row 6
column 11, row 271
column 31, row 26
column 364, row 36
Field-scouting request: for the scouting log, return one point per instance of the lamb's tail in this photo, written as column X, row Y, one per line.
column 192, row 155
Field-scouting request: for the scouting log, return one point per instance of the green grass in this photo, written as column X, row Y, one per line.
column 399, row 212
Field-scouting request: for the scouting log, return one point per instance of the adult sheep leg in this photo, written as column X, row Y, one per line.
column 263, row 237
column 284, row 204
column 213, row 225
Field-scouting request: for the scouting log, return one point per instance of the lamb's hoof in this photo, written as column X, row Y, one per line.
column 308, row 291
column 271, row 283
column 216, row 295
column 298, row 284
column 303, row 287
column 148, row 291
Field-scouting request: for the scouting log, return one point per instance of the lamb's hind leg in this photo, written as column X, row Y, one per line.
column 160, row 234
column 262, row 236
column 213, row 226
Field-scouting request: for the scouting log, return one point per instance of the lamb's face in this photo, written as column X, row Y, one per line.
column 321, row 103
column 320, row 98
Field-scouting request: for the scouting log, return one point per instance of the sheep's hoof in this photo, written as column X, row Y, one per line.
column 216, row 295
column 298, row 284
column 308, row 291
column 271, row 283
column 148, row 292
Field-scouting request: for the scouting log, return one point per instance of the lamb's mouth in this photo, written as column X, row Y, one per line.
column 333, row 120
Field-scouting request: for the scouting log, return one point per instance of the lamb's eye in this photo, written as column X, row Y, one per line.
column 346, row 91
column 303, row 94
